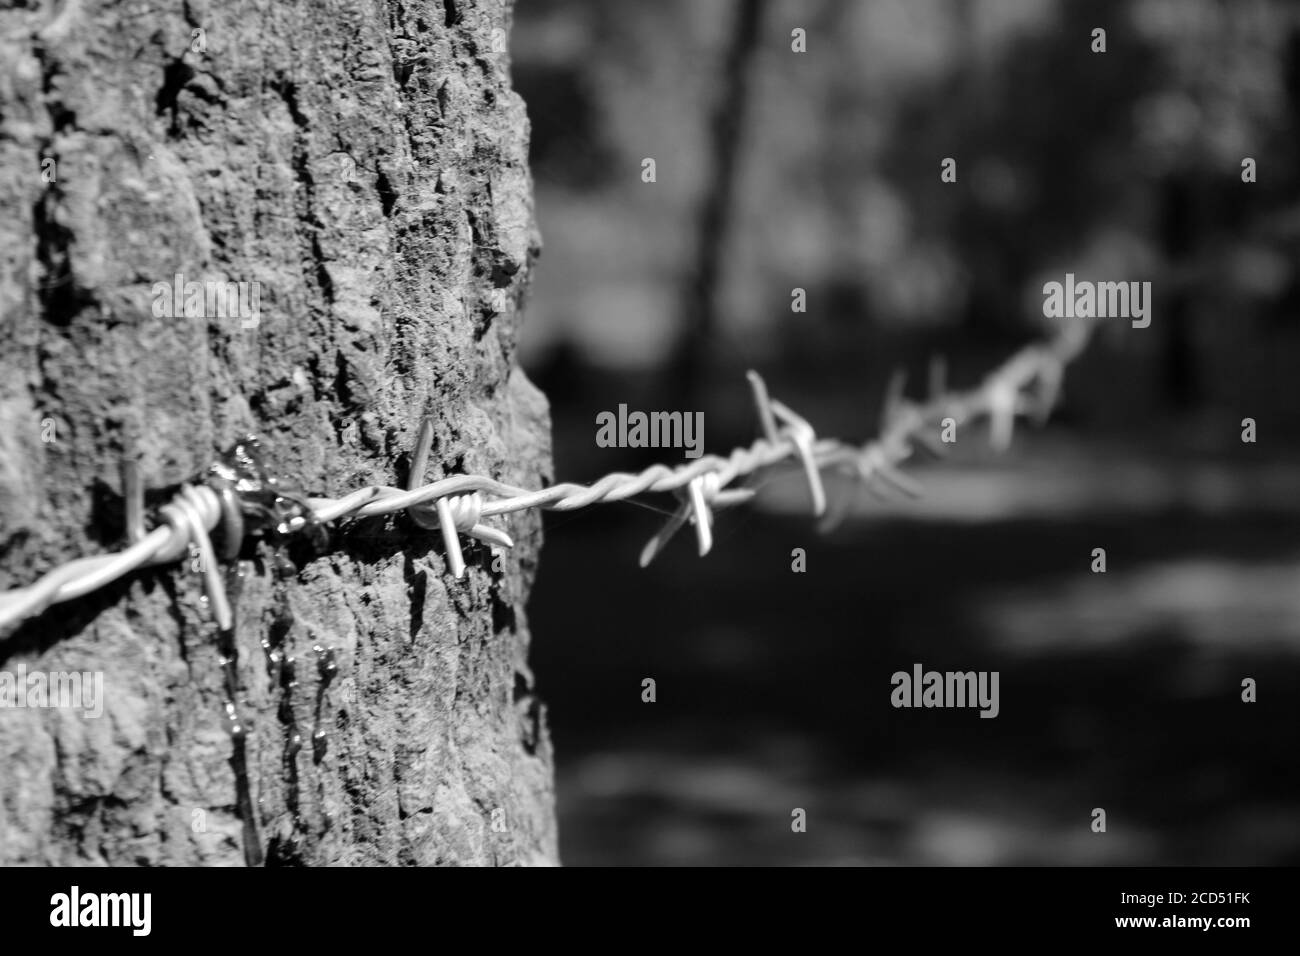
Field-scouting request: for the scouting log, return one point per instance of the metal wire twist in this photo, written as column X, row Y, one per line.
column 1027, row 384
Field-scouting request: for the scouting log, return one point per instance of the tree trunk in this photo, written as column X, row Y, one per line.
column 365, row 164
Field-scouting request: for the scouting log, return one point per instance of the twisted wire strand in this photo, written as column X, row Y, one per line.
column 466, row 499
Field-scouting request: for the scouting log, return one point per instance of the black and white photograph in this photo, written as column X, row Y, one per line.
column 705, row 434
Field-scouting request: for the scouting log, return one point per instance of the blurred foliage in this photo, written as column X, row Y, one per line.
column 1124, row 164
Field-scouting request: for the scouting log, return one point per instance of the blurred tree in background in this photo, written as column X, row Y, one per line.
column 1122, row 165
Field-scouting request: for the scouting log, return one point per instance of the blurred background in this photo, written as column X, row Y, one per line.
column 820, row 170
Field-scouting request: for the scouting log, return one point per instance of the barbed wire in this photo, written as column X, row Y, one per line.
column 1027, row 384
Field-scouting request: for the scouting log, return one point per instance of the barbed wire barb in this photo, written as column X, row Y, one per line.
column 1028, row 384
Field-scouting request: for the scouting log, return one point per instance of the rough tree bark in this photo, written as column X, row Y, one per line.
column 365, row 163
